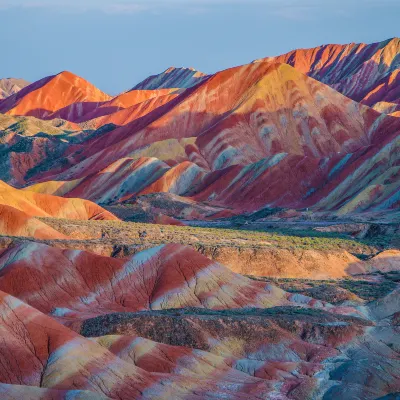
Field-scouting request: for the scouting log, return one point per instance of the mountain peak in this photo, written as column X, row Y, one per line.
column 52, row 93
column 172, row 77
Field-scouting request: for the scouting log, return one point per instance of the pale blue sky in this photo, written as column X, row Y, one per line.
column 116, row 44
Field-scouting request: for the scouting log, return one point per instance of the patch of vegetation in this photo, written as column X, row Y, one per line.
column 24, row 145
column 212, row 236
column 368, row 290
column 284, row 316
column 243, row 219
column 53, row 158
column 393, row 276
column 335, row 291
column 246, row 312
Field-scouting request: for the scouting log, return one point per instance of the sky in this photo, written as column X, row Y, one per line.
column 117, row 43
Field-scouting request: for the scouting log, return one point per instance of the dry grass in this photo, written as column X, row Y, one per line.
column 150, row 233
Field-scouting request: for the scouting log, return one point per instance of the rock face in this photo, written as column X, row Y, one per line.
column 37, row 351
column 267, row 131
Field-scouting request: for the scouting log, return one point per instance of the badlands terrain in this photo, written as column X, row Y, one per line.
column 233, row 235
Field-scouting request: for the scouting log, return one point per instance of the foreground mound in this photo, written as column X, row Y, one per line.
column 56, row 306
column 315, row 355
column 38, row 352
column 14, row 222
column 43, row 205
column 84, row 285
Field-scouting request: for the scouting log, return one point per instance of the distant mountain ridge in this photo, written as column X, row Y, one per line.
column 367, row 73
column 10, row 86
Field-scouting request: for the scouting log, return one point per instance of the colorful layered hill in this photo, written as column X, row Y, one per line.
column 77, row 325
column 172, row 78
column 125, row 115
column 92, row 310
column 18, row 210
column 367, row 73
column 241, row 115
column 10, row 86
column 44, row 97
column 230, row 138
column 14, row 222
column 75, row 100
column 123, row 108
column 42, row 205
column 31, row 126
column 168, row 276
column 265, row 134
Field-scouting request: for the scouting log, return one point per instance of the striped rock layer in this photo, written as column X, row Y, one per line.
column 76, row 325
column 292, row 131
